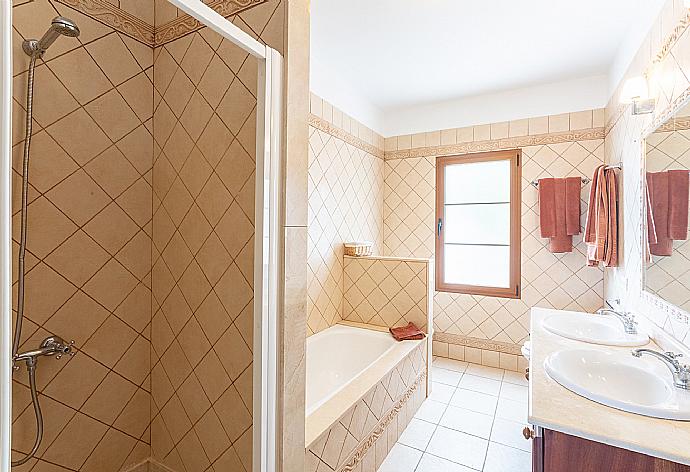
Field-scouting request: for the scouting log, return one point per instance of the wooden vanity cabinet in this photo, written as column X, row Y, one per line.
column 558, row 452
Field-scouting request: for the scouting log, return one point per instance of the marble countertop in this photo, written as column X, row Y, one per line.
column 553, row 407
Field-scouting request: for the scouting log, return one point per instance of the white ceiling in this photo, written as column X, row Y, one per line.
column 380, row 60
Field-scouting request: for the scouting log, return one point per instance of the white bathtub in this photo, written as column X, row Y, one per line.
column 338, row 355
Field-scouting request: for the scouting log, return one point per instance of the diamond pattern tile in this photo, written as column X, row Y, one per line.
column 203, row 231
column 345, row 204
column 386, row 292
column 92, row 257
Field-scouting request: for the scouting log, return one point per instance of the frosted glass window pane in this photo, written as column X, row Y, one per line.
column 478, row 182
column 478, row 224
column 487, row 266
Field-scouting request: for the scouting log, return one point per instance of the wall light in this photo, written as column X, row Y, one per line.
column 636, row 91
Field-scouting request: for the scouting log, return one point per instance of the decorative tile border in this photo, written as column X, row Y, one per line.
column 336, row 132
column 496, row 144
column 675, row 124
column 116, row 18
column 124, row 22
column 380, row 428
column 484, row 344
column 672, row 38
column 187, row 24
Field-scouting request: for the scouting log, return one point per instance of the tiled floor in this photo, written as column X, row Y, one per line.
column 472, row 421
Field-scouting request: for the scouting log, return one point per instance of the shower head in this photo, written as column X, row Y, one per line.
column 60, row 26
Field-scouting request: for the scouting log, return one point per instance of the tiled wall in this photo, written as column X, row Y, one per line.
column 558, row 146
column 89, row 243
column 203, row 247
column 669, row 277
column 361, row 439
column 345, row 204
column 387, row 292
column 664, row 58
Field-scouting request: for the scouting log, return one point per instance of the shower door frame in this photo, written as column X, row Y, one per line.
column 267, row 230
column 6, row 229
column 267, row 248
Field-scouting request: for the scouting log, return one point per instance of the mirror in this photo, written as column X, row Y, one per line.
column 666, row 182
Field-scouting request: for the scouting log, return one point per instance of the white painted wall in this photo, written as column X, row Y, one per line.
column 549, row 99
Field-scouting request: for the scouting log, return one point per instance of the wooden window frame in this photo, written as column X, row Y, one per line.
column 515, row 157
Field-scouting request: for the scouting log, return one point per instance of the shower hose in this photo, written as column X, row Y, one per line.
column 30, row 363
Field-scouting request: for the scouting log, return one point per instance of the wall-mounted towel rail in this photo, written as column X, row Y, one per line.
column 585, row 180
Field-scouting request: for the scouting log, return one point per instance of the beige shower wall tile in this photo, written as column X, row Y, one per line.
column 80, row 246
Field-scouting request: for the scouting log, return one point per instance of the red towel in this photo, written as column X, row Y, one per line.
column 559, row 212
column 657, row 183
column 573, row 185
column 406, row 333
column 678, row 204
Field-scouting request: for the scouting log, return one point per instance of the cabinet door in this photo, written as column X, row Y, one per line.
column 538, row 451
column 565, row 453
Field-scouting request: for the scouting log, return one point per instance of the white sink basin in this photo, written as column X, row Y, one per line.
column 619, row 380
column 594, row 329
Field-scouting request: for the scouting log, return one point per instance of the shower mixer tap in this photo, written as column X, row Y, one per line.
column 50, row 346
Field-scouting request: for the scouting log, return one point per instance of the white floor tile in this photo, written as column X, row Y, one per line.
column 431, row 411
column 480, row 384
column 401, row 459
column 513, row 392
column 417, row 434
column 441, row 392
column 509, row 433
column 485, row 371
column 500, row 458
column 467, row 421
column 517, row 378
column 431, row 463
column 475, row 401
column 450, row 364
column 448, row 377
column 458, row 447
column 511, row 410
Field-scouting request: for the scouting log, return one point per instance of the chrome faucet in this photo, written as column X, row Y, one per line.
column 625, row 317
column 681, row 372
column 51, row 346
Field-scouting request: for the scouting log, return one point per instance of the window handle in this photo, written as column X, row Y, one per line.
column 440, row 226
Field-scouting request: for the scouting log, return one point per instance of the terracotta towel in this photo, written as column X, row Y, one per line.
column 611, row 253
column 657, row 183
column 559, row 212
column 678, row 189
column 601, row 228
column 573, row 185
column 547, row 209
column 406, row 333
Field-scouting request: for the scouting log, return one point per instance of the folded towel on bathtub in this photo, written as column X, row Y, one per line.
column 406, row 333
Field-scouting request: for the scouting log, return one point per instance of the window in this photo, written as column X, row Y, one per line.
column 478, row 224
